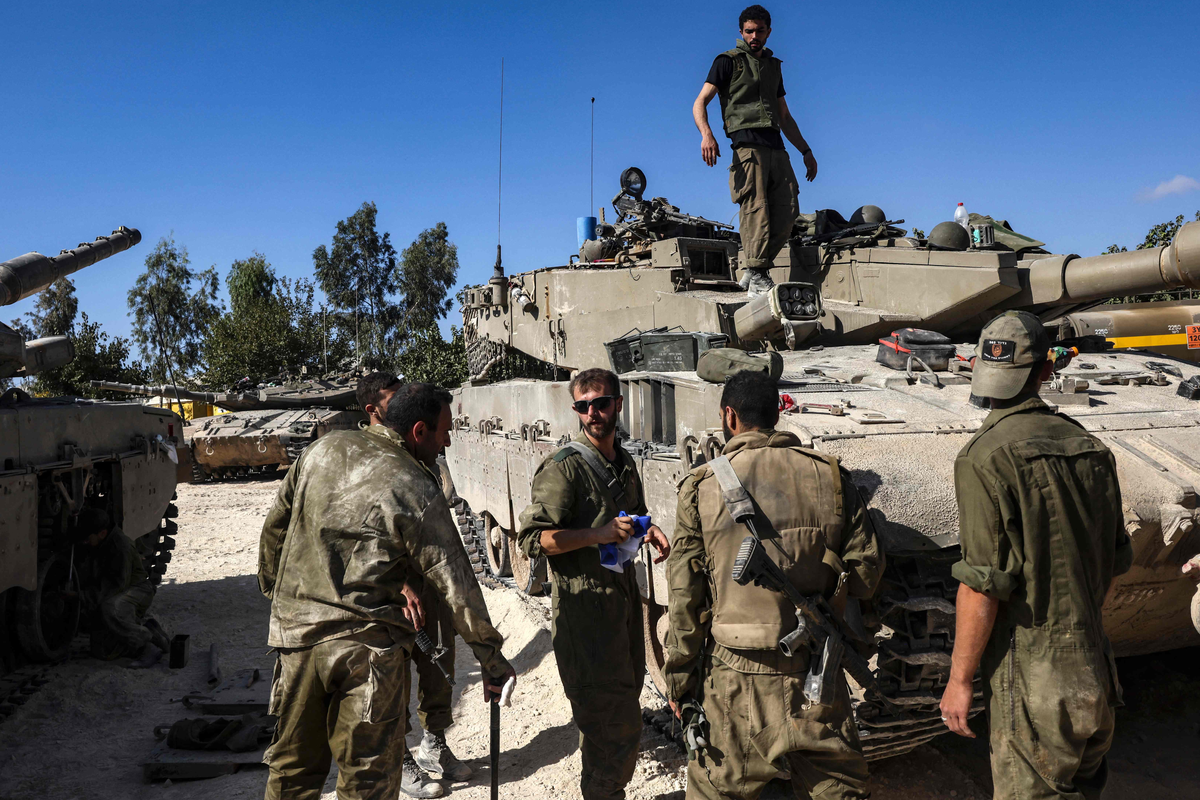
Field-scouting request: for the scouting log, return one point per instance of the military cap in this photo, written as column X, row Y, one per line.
column 1010, row 348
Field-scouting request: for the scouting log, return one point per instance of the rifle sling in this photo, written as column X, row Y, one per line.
column 615, row 490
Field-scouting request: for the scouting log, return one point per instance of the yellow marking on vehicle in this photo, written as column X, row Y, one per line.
column 1122, row 342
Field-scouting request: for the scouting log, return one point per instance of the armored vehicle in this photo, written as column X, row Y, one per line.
column 267, row 428
column 58, row 455
column 1170, row 327
column 838, row 292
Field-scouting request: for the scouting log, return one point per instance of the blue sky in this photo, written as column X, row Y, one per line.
column 255, row 126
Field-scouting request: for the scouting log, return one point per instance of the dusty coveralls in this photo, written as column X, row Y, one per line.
column 115, row 583
column 722, row 643
column 435, row 697
column 761, row 179
column 596, row 615
column 1042, row 530
column 353, row 517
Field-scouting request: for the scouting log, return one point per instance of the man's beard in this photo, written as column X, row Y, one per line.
column 726, row 430
column 601, row 430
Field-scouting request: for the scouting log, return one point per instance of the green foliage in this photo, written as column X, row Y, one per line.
column 55, row 309
column 272, row 328
column 173, row 308
column 358, row 275
column 97, row 357
column 917, row 233
column 1158, row 236
column 431, row 359
column 248, row 281
column 427, row 270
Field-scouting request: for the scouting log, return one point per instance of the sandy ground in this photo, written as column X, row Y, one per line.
column 85, row 734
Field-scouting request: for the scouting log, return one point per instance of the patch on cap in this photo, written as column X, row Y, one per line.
column 998, row 350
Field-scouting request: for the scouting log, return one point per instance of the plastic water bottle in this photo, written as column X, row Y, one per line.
column 960, row 216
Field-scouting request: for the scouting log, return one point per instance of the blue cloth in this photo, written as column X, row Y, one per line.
column 616, row 556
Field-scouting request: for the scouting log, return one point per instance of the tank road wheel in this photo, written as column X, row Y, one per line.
column 497, row 547
column 45, row 619
column 654, row 623
column 522, row 568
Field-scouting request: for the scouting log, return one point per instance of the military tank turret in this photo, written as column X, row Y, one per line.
column 267, row 428
column 841, row 286
column 58, row 455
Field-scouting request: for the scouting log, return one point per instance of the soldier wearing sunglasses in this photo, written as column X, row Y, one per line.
column 597, row 616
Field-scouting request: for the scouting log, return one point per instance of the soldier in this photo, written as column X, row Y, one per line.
column 749, row 81
column 435, row 697
column 1042, row 535
column 358, row 513
column 117, row 592
column 597, row 624
column 722, row 643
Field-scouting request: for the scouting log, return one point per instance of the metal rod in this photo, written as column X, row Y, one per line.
column 495, row 704
column 500, row 158
column 592, row 163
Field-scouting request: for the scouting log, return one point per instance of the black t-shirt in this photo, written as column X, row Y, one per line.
column 719, row 75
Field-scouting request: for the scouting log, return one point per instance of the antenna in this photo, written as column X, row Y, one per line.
column 592, row 162
column 498, row 271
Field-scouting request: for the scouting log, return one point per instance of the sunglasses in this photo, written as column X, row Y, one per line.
column 600, row 403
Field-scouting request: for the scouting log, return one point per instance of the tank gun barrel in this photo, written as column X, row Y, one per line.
column 167, row 390
column 33, row 272
column 1068, row 280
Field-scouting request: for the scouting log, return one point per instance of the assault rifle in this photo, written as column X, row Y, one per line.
column 876, row 228
column 815, row 627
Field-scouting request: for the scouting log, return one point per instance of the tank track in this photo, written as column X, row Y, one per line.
column 156, row 547
column 17, row 686
column 916, row 611
column 471, row 529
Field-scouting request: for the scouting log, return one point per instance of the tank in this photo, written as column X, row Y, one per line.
column 1170, row 327
column 649, row 308
column 267, row 428
column 58, row 454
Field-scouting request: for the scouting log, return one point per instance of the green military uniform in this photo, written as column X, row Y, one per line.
column 596, row 624
column 761, row 179
column 722, row 643
column 116, row 585
column 354, row 516
column 1042, row 530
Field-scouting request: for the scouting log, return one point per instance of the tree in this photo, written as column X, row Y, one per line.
column 358, row 275
column 430, row 358
column 170, row 315
column 1159, row 235
column 97, row 357
column 250, row 280
column 55, row 309
column 428, row 268
column 271, row 328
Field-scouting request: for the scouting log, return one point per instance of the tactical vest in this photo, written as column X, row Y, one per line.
column 752, row 97
column 800, row 504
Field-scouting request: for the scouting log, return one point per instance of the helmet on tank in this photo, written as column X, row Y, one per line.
column 868, row 215
column 949, row 236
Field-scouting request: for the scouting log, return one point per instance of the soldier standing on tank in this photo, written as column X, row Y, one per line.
column 749, row 81
column 356, row 515
column 597, row 619
column 116, row 591
column 435, row 696
column 1042, row 535
column 722, row 643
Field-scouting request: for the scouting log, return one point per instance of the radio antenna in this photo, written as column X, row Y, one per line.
column 499, row 270
column 592, row 163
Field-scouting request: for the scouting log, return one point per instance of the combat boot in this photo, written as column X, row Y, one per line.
column 758, row 281
column 435, row 756
column 414, row 781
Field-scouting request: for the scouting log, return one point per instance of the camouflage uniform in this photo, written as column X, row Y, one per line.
column 353, row 517
column 596, row 624
column 722, row 643
column 1042, row 530
column 116, row 585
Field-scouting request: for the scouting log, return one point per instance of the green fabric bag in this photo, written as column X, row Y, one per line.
column 717, row 365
